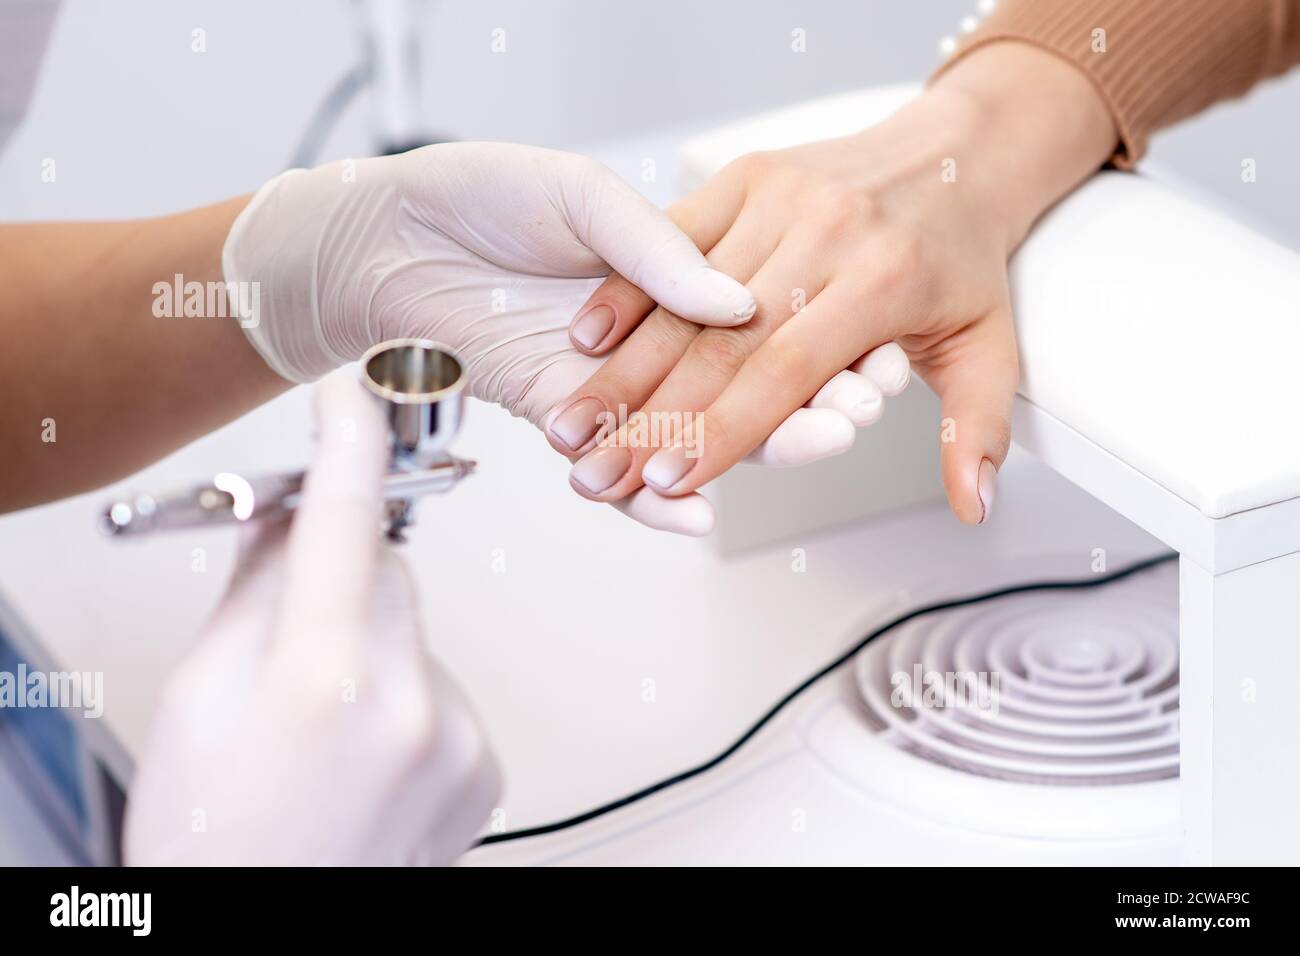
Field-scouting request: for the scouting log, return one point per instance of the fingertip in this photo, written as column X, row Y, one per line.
column 350, row 427
column 986, row 487
column 714, row 298
column 691, row 515
column 971, row 488
column 808, row 435
column 853, row 395
column 867, row 412
column 888, row 367
column 963, row 502
column 963, row 512
column 837, row 436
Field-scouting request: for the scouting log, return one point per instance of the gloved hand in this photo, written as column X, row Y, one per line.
column 310, row 725
column 489, row 249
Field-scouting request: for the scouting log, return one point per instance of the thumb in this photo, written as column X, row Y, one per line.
column 642, row 244
column 333, row 549
column 976, row 382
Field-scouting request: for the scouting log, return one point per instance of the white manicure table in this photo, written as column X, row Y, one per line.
column 1159, row 342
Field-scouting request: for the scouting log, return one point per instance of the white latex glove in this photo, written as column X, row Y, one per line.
column 489, row 249
column 310, row 724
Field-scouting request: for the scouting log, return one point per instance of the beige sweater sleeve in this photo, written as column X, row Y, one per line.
column 1154, row 62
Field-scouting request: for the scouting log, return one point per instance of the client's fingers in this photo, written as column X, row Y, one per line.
column 643, row 245
column 782, row 374
column 669, row 274
column 614, row 310
column 611, row 472
column 636, row 371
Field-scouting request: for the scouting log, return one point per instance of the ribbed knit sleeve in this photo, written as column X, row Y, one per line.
column 1154, row 62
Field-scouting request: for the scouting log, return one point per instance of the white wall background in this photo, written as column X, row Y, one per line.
column 140, row 124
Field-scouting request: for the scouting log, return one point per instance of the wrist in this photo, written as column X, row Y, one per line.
column 1033, row 125
column 270, row 254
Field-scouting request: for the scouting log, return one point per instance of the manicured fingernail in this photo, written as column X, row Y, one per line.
column 988, row 487
column 668, row 467
column 600, row 468
column 576, row 424
column 592, row 326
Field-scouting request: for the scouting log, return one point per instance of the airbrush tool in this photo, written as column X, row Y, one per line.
column 420, row 388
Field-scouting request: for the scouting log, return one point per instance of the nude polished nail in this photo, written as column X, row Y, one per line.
column 599, row 469
column 575, row 426
column 590, row 328
column 668, row 467
column 988, row 487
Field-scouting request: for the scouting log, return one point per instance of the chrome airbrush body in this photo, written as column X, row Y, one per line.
column 420, row 388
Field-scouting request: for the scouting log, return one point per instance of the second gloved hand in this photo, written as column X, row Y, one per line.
column 309, row 724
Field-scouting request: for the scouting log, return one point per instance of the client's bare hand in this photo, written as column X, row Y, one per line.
column 899, row 233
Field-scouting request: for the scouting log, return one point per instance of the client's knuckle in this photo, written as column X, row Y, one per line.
column 751, row 166
column 664, row 332
column 711, row 431
column 789, row 364
column 723, row 349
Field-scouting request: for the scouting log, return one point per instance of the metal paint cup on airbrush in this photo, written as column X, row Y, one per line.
column 421, row 391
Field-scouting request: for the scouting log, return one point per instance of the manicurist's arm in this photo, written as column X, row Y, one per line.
column 93, row 385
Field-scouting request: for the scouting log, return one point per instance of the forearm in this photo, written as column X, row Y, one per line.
column 93, row 384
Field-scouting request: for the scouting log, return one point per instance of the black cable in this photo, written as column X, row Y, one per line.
column 780, row 705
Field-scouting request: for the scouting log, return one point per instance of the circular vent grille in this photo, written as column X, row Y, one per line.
column 1054, row 687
